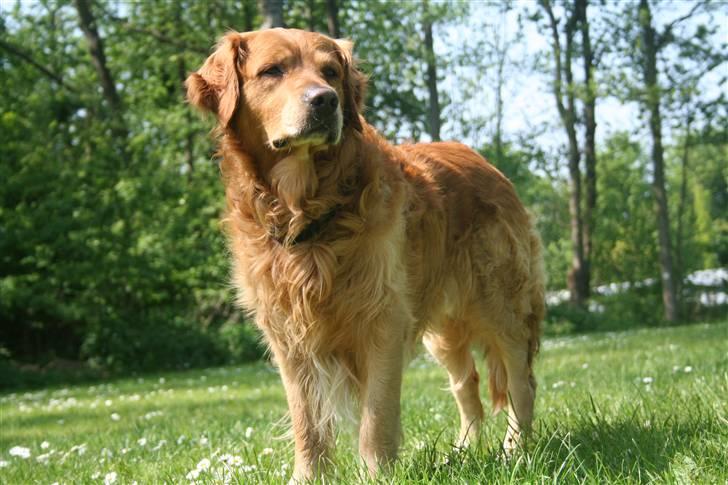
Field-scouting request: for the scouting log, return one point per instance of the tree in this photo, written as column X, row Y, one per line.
column 95, row 45
column 651, row 102
column 664, row 58
column 272, row 11
column 332, row 18
column 590, row 127
column 564, row 94
column 499, row 48
column 433, row 106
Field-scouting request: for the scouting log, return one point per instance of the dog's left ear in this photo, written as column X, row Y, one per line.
column 355, row 83
column 216, row 86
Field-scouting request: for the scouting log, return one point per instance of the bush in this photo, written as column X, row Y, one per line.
column 637, row 307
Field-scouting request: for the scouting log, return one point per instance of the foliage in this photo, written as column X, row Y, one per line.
column 111, row 246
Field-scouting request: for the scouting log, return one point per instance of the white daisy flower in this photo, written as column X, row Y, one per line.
column 43, row 458
column 152, row 414
column 203, row 465
column 80, row 449
column 44, row 445
column 248, row 432
column 142, row 441
column 115, row 417
column 267, row 451
column 159, row 445
column 4, row 463
column 647, row 380
column 110, row 478
column 20, row 452
column 181, row 439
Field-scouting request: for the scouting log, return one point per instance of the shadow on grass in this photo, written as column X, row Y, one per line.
column 622, row 449
column 631, row 447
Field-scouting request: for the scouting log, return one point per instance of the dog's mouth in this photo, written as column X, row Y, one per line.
column 315, row 132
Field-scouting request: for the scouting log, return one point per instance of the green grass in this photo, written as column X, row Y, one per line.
column 637, row 406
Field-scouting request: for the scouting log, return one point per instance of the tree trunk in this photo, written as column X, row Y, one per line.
column 652, row 105
column 332, row 17
column 501, row 51
column 433, row 118
column 590, row 128
column 679, row 263
column 311, row 11
column 248, row 14
column 95, row 45
column 577, row 282
column 578, row 286
column 272, row 11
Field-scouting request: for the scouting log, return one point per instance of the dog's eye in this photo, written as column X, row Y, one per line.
column 329, row 72
column 271, row 71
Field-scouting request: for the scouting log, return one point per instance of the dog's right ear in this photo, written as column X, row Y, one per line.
column 216, row 86
column 355, row 83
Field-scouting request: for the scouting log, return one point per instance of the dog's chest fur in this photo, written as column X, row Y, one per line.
column 322, row 294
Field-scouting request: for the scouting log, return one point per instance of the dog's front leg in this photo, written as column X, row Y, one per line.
column 380, row 429
column 312, row 439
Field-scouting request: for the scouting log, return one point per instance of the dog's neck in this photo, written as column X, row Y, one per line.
column 293, row 196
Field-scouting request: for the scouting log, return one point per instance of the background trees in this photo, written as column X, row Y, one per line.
column 110, row 246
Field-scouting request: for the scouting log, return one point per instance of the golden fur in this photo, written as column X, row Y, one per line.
column 421, row 242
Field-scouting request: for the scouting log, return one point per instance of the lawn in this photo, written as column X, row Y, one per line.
column 638, row 406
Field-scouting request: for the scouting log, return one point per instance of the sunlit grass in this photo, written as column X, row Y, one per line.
column 638, row 406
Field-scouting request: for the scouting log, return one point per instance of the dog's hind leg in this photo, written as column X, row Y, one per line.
column 451, row 348
column 521, row 385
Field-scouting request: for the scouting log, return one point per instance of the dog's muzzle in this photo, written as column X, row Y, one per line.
column 323, row 122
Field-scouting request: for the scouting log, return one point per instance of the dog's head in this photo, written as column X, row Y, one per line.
column 281, row 89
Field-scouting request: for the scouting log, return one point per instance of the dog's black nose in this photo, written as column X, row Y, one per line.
column 323, row 100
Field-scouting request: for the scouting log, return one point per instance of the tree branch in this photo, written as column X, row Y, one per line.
column 17, row 52
column 126, row 24
column 95, row 45
column 664, row 36
column 556, row 45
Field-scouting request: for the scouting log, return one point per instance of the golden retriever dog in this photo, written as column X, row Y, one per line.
column 349, row 250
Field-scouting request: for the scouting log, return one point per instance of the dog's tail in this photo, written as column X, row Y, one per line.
column 497, row 381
